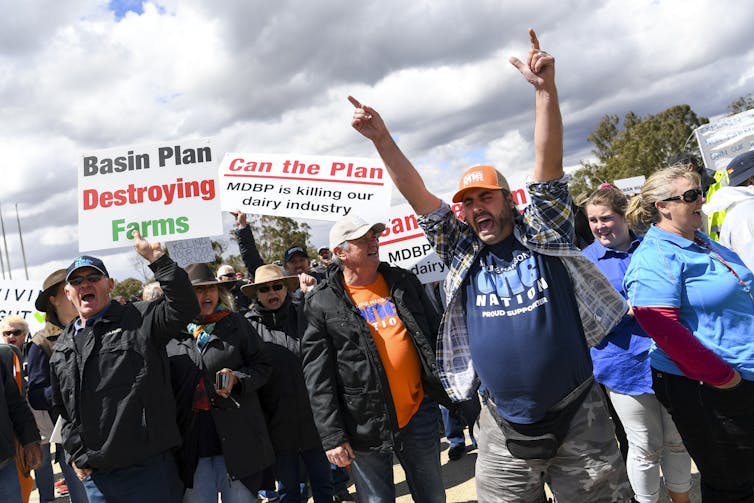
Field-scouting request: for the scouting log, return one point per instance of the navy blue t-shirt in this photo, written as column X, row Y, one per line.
column 526, row 338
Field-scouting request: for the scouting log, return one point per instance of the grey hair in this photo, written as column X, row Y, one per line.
column 641, row 209
column 226, row 297
column 345, row 245
column 151, row 291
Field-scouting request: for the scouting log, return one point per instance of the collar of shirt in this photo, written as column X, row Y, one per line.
column 77, row 324
column 604, row 253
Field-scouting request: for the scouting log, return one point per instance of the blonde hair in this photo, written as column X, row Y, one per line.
column 11, row 320
column 641, row 209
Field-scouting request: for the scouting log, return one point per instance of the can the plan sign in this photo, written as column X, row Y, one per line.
column 305, row 186
column 166, row 191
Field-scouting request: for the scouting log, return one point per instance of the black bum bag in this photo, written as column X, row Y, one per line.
column 540, row 440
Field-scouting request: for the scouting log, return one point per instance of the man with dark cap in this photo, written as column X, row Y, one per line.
column 737, row 201
column 59, row 311
column 111, row 384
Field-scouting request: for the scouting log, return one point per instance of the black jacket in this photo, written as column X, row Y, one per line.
column 347, row 383
column 241, row 428
column 283, row 326
column 16, row 418
column 115, row 397
column 284, row 397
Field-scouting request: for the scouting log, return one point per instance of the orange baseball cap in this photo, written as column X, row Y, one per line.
column 480, row 177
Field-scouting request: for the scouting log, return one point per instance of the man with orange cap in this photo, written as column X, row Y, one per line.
column 523, row 305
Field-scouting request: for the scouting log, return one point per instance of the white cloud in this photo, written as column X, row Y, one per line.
column 273, row 77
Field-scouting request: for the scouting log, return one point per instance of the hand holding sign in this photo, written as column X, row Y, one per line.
column 150, row 251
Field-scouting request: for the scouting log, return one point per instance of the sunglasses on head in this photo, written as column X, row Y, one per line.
column 689, row 196
column 91, row 278
column 16, row 332
column 266, row 288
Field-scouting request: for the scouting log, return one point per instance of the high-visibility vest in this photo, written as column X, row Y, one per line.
column 715, row 220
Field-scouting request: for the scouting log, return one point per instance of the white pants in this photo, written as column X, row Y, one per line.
column 653, row 442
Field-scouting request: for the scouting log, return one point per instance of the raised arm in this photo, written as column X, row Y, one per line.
column 539, row 70
column 368, row 122
column 246, row 243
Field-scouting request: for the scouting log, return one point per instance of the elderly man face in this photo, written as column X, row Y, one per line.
column 225, row 272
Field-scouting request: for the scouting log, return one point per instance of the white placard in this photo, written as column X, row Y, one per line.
column 723, row 139
column 191, row 251
column 166, row 191
column 305, row 186
column 17, row 297
column 630, row 186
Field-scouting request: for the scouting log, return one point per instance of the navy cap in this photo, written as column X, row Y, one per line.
column 741, row 168
column 85, row 261
column 293, row 251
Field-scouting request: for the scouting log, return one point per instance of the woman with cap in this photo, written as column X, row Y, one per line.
column 59, row 311
column 694, row 298
column 276, row 316
column 216, row 371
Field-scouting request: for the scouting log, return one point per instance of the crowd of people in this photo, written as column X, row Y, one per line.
column 287, row 385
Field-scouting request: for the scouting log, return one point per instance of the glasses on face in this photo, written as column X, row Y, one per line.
column 16, row 332
column 91, row 278
column 228, row 275
column 689, row 196
column 266, row 288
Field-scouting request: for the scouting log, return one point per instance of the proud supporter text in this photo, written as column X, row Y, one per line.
column 166, row 193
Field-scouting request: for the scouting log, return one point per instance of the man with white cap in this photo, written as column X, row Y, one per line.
column 111, row 383
column 523, row 304
column 369, row 367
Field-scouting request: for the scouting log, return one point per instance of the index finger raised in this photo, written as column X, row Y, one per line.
column 354, row 102
column 534, row 39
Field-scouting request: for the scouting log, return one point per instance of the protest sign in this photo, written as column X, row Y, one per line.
column 724, row 138
column 17, row 298
column 630, row 186
column 191, row 251
column 165, row 191
column 304, row 186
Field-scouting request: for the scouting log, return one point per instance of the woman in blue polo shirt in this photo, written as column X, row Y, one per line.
column 621, row 364
column 693, row 297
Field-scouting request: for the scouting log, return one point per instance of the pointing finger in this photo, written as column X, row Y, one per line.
column 354, row 102
column 534, row 39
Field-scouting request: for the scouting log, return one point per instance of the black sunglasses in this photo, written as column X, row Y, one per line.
column 264, row 289
column 228, row 275
column 689, row 196
column 91, row 278
column 16, row 332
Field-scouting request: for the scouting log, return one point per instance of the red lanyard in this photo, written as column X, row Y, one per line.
column 741, row 282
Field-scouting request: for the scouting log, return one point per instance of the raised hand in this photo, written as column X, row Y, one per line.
column 539, row 68
column 150, row 251
column 367, row 121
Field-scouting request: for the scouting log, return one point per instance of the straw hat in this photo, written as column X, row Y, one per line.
column 268, row 274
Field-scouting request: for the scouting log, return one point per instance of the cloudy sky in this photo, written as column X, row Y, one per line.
column 84, row 75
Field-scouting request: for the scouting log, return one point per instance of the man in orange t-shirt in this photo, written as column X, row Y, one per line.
column 368, row 354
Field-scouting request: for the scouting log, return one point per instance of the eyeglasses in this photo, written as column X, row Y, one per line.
column 266, row 288
column 91, row 278
column 228, row 275
column 16, row 332
column 689, row 196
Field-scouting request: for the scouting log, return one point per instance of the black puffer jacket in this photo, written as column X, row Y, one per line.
column 241, row 428
column 347, row 383
column 115, row 397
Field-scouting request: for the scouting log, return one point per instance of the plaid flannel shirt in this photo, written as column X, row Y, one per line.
column 545, row 227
